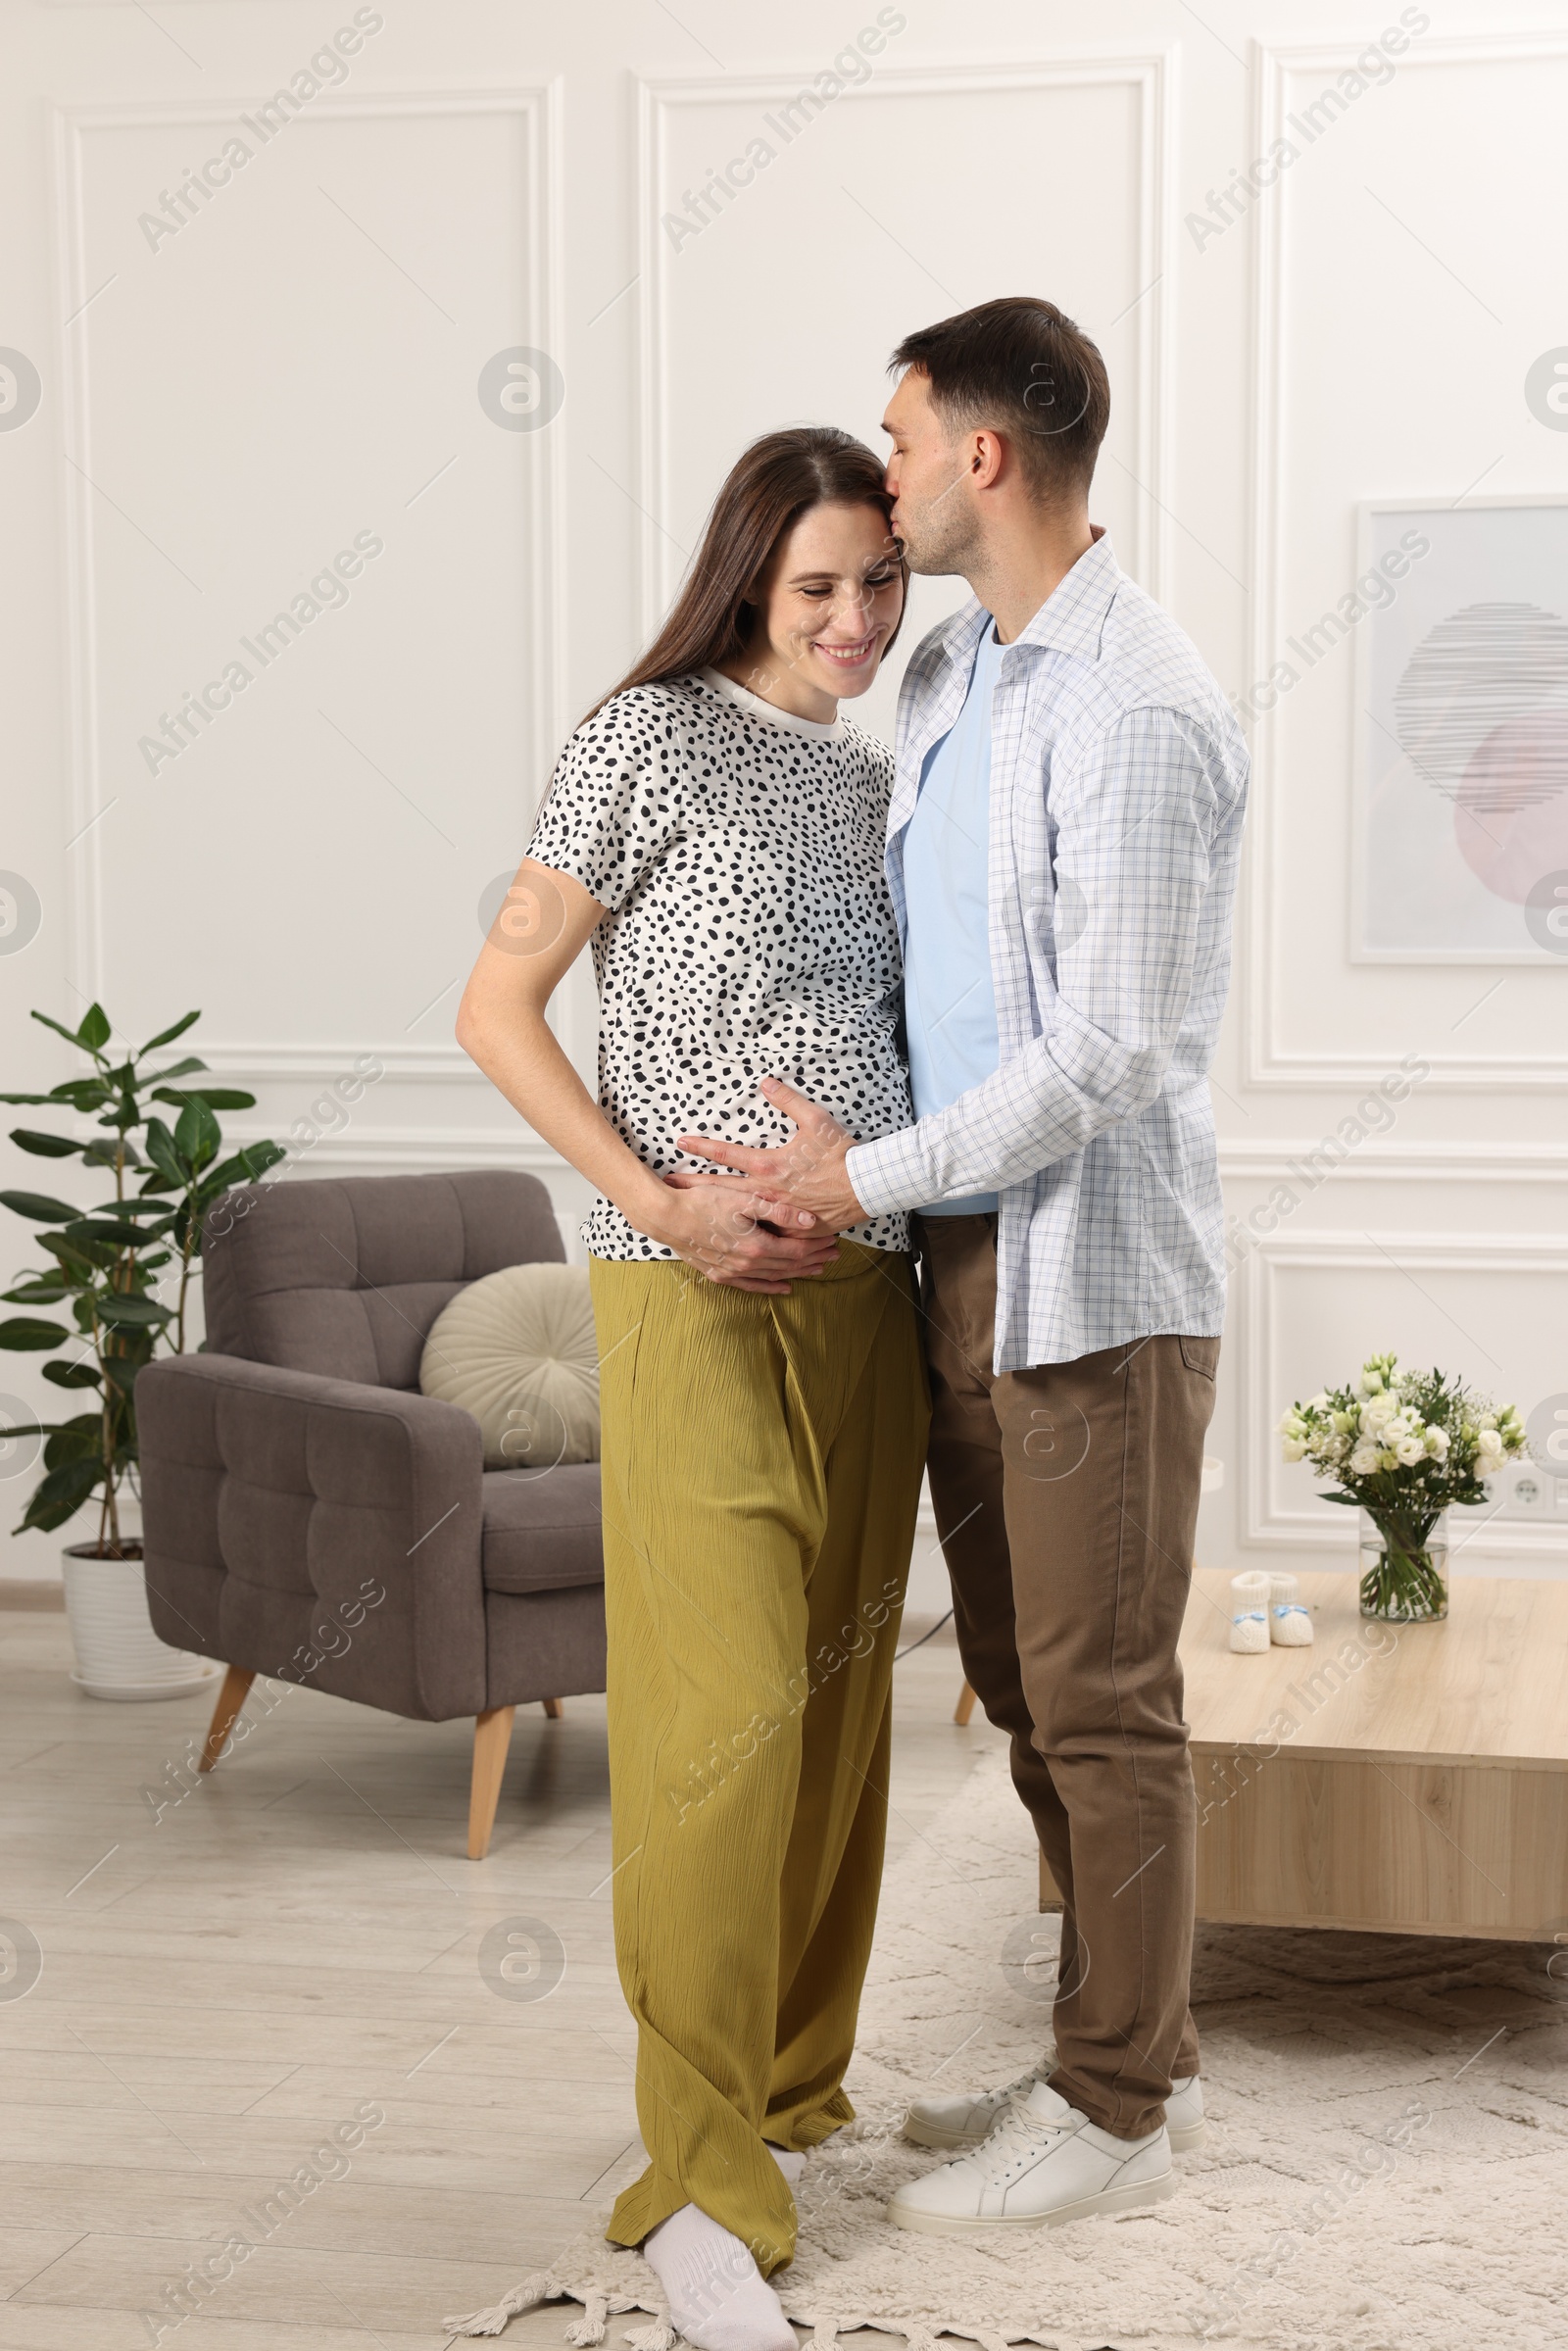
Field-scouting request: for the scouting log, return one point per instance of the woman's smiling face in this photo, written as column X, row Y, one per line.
column 827, row 604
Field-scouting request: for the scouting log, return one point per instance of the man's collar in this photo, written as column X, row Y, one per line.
column 1072, row 617
column 960, row 634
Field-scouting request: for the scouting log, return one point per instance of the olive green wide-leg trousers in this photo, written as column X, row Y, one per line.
column 762, row 1467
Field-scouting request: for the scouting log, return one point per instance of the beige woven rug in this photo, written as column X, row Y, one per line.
column 1387, row 2167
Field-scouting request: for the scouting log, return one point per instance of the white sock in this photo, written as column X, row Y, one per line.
column 791, row 2164
column 1290, row 1625
column 718, row 2298
column 1249, row 1618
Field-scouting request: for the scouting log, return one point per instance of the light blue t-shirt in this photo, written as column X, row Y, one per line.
column 950, row 1008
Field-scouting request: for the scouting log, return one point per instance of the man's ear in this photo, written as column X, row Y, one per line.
column 987, row 456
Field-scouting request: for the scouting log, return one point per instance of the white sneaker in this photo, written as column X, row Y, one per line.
column 964, row 2121
column 1044, row 2163
column 1184, row 2116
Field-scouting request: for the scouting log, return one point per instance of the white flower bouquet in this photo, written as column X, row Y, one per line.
column 1403, row 1446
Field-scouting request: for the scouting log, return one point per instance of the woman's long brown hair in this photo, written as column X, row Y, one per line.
column 768, row 488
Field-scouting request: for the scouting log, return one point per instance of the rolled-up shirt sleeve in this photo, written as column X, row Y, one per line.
column 1135, row 811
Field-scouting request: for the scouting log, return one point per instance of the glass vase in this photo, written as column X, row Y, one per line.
column 1405, row 1576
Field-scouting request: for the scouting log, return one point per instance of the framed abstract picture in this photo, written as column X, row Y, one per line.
column 1461, row 733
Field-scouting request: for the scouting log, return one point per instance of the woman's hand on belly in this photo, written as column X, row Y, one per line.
column 740, row 1237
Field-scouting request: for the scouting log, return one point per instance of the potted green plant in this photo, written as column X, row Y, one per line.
column 121, row 1270
column 1404, row 1446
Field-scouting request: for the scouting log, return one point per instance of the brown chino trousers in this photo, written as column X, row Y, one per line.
column 1069, row 1495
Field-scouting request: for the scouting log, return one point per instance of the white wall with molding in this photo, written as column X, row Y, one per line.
column 294, row 372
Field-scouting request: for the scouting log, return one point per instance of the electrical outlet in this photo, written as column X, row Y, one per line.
column 1527, row 1491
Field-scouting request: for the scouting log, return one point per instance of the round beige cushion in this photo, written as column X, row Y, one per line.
column 516, row 1350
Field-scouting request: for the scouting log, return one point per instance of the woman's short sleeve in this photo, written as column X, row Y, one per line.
column 609, row 810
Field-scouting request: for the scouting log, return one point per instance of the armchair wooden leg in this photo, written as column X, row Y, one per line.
column 492, row 1736
column 230, row 1698
column 554, row 1708
column 965, row 1706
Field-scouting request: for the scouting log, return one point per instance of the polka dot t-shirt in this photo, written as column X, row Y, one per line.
column 738, row 852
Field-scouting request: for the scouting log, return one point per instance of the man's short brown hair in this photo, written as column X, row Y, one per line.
column 1025, row 368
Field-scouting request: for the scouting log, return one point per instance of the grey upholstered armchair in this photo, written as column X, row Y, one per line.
column 309, row 1514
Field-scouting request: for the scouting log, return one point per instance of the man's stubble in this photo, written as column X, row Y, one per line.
column 942, row 538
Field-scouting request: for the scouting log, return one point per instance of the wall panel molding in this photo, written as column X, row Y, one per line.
column 413, row 1149
column 1266, row 1062
column 1404, row 1162
column 1150, row 71
column 540, row 107
column 306, row 1066
column 1270, row 1523
column 1263, row 1163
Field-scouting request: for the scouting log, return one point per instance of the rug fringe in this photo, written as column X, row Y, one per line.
column 660, row 2336
column 540, row 2287
column 590, row 2327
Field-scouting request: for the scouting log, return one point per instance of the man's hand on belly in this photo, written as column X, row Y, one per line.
column 808, row 1169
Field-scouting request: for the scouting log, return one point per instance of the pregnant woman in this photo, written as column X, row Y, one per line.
column 715, row 828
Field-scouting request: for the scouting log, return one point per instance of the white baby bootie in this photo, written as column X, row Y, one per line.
column 1250, row 1613
column 1290, row 1625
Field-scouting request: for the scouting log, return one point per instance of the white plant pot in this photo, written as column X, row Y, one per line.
column 118, row 1655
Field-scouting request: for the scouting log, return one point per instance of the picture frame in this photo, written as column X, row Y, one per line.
column 1460, row 748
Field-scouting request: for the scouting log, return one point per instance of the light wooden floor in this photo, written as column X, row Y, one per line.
column 300, row 1934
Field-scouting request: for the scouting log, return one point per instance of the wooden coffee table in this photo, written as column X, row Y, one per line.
column 1403, row 1778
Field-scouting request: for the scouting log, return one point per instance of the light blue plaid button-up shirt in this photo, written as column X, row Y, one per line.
column 1118, row 779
